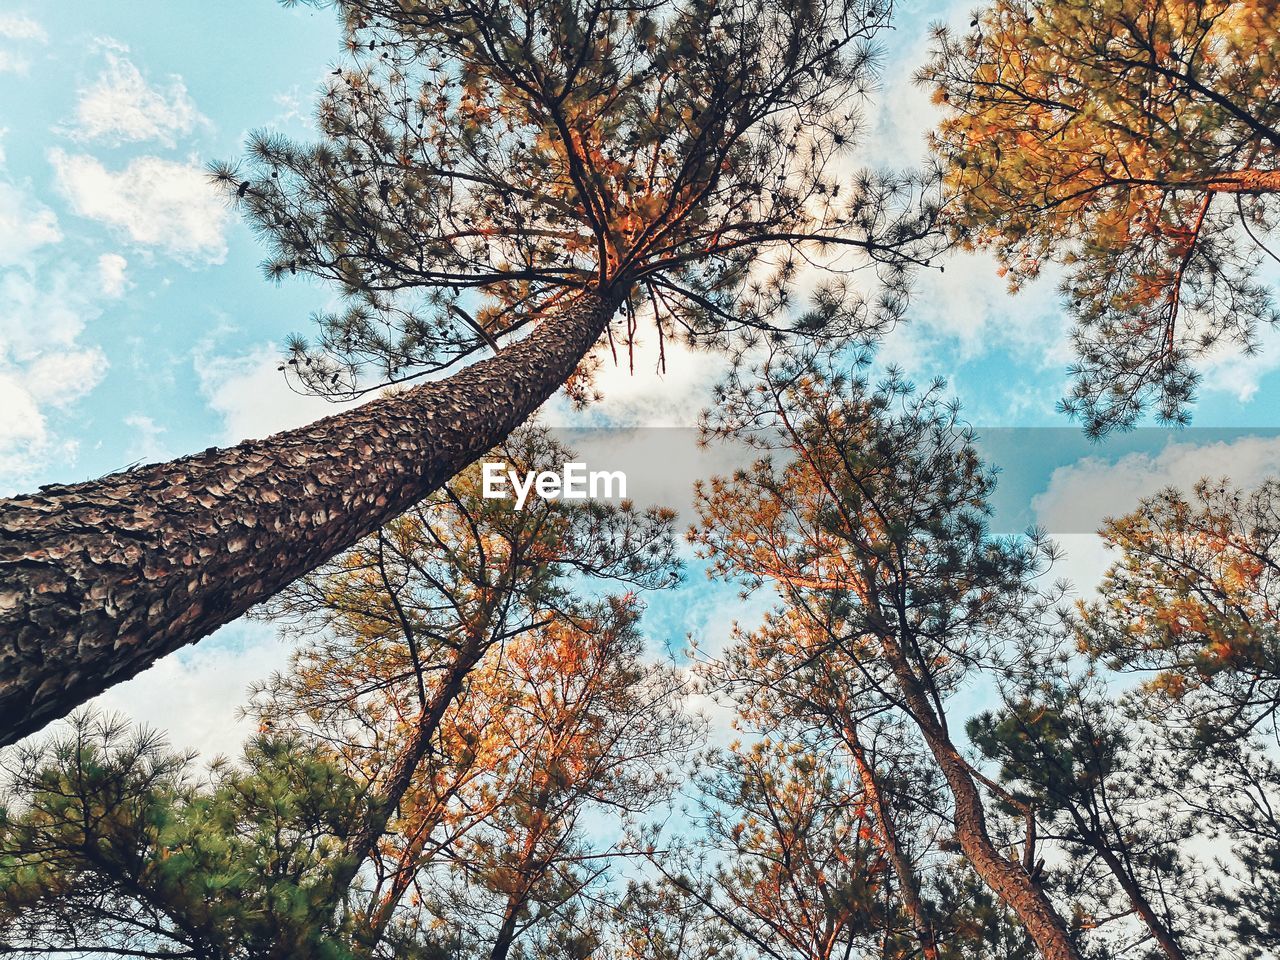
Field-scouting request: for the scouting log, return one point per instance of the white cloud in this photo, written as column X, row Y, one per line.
column 22, row 424
column 158, row 203
column 901, row 113
column 648, row 398
column 965, row 312
column 1083, row 562
column 61, row 378
column 40, row 314
column 43, row 366
column 1238, row 374
column 26, row 225
column 27, row 444
column 1080, row 496
column 147, row 447
column 252, row 396
column 111, row 274
column 122, row 107
column 16, row 26
column 11, row 62
column 194, row 695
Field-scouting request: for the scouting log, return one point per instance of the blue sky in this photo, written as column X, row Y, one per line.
column 109, row 117
column 134, row 323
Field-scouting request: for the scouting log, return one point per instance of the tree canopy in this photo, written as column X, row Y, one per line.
column 922, row 751
column 1135, row 143
column 488, row 177
column 482, row 161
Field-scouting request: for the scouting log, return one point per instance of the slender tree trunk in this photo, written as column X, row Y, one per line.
column 363, row 840
column 1007, row 879
column 529, row 873
column 507, row 931
column 380, row 914
column 891, row 845
column 1159, row 930
column 1250, row 181
column 100, row 579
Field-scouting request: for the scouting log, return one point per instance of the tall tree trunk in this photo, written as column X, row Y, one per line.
column 1133, row 890
column 891, row 846
column 362, row 842
column 100, row 579
column 1007, row 879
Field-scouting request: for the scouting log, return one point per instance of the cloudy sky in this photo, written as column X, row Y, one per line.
column 135, row 326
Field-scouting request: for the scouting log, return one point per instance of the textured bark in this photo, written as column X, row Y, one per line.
column 100, row 579
column 1005, row 878
column 1250, row 181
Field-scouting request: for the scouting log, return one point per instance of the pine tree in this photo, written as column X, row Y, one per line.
column 868, row 515
column 785, row 680
column 1191, row 606
column 594, row 730
column 786, row 861
column 411, row 617
column 389, row 806
column 108, row 844
column 1235, row 790
column 658, row 921
column 801, row 876
column 489, row 175
column 1137, row 143
column 1098, row 781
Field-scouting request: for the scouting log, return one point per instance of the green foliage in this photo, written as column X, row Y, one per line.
column 109, row 844
column 480, row 162
column 660, row 921
column 1256, row 904
column 971, row 921
column 1102, row 784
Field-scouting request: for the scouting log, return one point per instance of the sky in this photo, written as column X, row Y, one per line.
column 135, row 324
